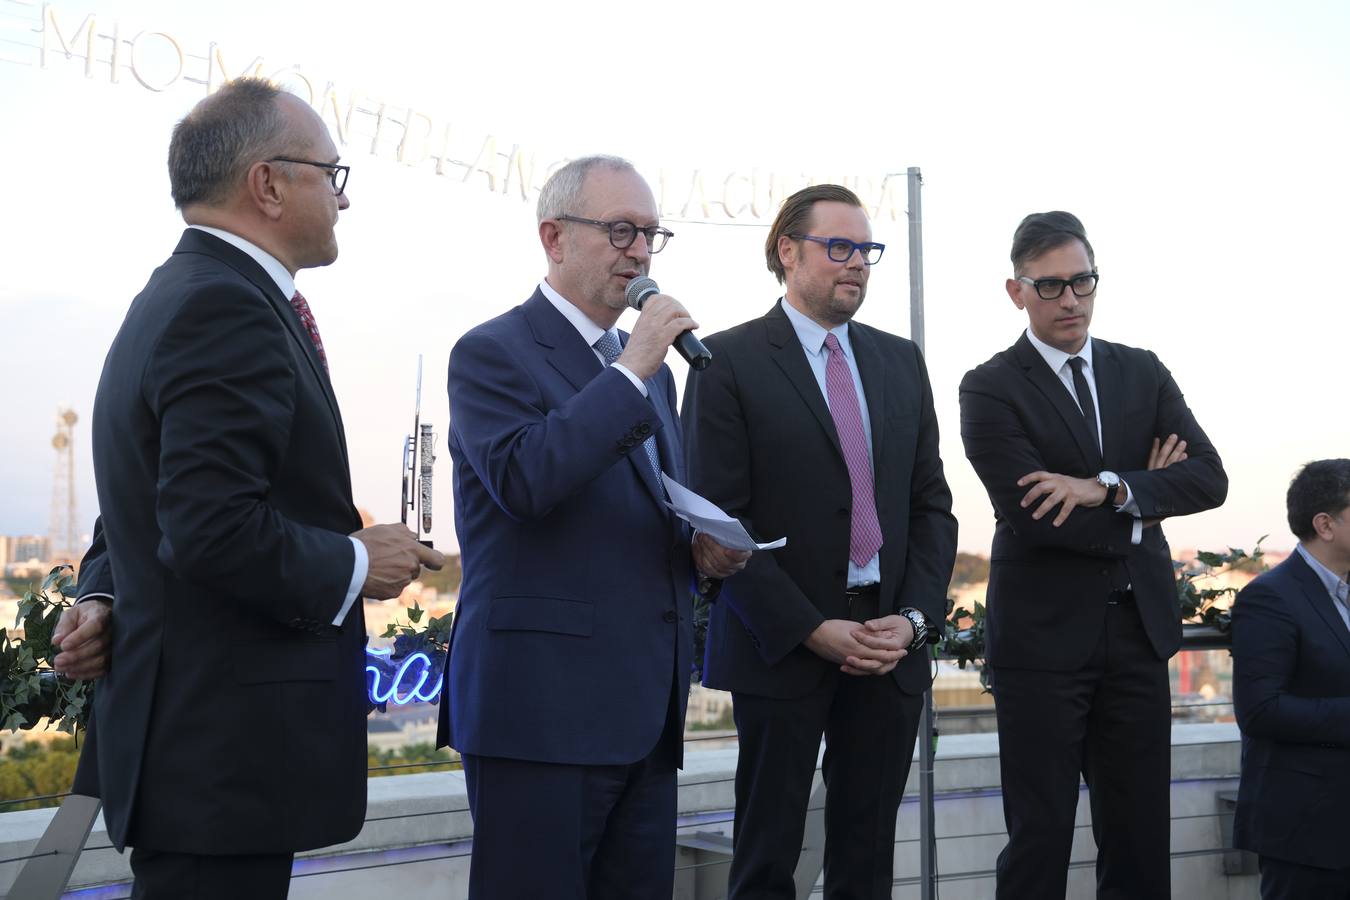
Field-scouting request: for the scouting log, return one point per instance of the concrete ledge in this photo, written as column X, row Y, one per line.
column 416, row 839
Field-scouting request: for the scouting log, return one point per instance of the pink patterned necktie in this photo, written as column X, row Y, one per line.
column 311, row 327
column 865, row 529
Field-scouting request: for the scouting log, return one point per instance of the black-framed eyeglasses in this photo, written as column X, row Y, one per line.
column 622, row 233
column 841, row 250
column 336, row 173
column 1053, row 288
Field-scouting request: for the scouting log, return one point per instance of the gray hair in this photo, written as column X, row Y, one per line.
column 562, row 192
column 214, row 145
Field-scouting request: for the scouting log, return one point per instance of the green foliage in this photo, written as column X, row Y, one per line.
column 36, row 769
column 435, row 632
column 963, row 639
column 30, row 689
column 1199, row 604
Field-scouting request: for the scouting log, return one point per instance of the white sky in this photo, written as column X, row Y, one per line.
column 1203, row 144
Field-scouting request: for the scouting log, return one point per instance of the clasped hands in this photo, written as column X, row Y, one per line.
column 871, row 648
column 1069, row 493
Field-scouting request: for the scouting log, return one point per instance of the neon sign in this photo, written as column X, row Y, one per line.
column 388, row 683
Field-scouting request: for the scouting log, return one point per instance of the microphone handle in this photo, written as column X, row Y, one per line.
column 692, row 351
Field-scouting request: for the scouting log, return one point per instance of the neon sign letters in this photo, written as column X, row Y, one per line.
column 389, row 682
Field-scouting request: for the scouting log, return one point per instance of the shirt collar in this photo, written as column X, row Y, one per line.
column 589, row 331
column 270, row 264
column 812, row 334
column 1335, row 584
column 1056, row 358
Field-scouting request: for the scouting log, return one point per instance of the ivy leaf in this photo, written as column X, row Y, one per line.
column 14, row 721
column 390, row 630
column 415, row 614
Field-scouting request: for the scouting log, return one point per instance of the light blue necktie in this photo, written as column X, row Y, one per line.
column 609, row 348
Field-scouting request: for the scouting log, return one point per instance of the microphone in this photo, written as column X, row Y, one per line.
column 689, row 347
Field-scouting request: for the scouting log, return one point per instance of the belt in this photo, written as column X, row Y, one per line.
column 1120, row 598
column 863, row 591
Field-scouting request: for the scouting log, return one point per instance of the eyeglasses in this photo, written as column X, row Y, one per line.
column 842, row 249
column 1052, row 288
column 337, row 173
column 622, row 233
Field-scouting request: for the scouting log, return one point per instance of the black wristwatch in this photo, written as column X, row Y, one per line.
column 920, row 623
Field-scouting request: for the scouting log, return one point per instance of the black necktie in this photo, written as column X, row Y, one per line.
column 1080, row 387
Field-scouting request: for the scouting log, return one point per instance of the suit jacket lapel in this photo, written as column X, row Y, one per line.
column 1048, row 383
column 788, row 354
column 568, row 353
column 1110, row 401
column 196, row 241
column 1318, row 598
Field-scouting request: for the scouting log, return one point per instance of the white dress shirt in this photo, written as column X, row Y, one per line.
column 589, row 331
column 1058, row 361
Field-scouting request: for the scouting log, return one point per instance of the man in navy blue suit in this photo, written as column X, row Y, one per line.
column 570, row 658
column 1291, row 692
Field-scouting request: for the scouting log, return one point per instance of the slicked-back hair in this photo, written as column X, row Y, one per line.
column 794, row 217
column 1040, row 233
column 214, row 145
column 1322, row 486
column 561, row 194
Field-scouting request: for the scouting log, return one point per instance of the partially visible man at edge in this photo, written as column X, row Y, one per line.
column 1291, row 695
column 228, row 548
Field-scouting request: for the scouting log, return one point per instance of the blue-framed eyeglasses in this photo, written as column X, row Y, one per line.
column 841, row 250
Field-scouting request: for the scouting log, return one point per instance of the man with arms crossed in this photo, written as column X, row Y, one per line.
column 1291, row 693
column 570, row 658
column 228, row 548
column 818, row 428
column 1063, row 430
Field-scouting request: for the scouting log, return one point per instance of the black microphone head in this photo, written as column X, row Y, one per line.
column 639, row 289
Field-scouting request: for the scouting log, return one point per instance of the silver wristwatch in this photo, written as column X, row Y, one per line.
column 920, row 623
column 1110, row 481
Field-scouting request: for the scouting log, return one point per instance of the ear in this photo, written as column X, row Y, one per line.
column 1014, row 288
column 265, row 187
column 551, row 236
column 1321, row 524
column 787, row 251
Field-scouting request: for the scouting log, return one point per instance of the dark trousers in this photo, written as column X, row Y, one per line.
column 574, row 832
column 1110, row 721
column 191, row 876
column 869, row 728
column 1282, row 880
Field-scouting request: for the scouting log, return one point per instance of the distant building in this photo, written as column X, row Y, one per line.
column 28, row 547
column 5, row 541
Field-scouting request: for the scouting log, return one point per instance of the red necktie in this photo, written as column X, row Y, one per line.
column 311, row 327
column 865, row 530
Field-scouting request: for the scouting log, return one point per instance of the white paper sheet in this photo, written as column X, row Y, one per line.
column 704, row 515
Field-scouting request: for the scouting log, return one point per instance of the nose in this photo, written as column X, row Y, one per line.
column 1068, row 300
column 342, row 200
column 639, row 250
column 855, row 259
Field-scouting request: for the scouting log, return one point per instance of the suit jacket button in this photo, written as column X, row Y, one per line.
column 843, row 512
column 644, row 429
column 669, row 616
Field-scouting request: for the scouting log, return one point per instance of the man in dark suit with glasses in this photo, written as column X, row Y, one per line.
column 813, row 426
column 1084, row 447
column 228, row 547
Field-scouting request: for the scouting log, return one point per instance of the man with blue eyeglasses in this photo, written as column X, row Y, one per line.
column 1084, row 447
column 818, row 428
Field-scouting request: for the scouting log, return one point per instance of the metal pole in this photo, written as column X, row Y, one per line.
column 915, row 180
column 927, row 720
